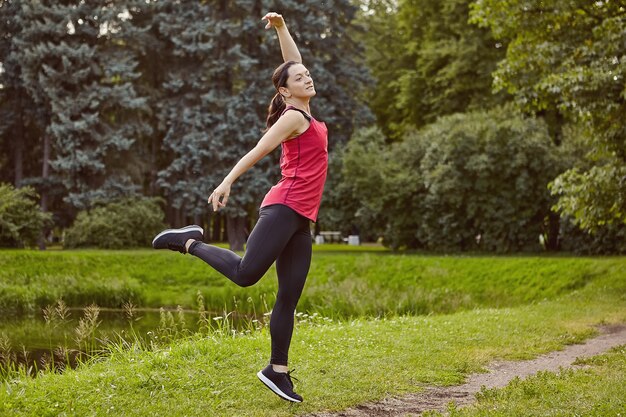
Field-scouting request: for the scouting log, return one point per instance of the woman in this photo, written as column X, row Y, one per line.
column 282, row 233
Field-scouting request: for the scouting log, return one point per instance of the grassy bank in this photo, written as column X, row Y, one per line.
column 340, row 364
column 340, row 284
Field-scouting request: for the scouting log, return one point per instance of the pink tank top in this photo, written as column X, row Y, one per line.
column 303, row 165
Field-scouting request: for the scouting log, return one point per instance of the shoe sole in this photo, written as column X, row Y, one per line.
column 275, row 389
column 181, row 230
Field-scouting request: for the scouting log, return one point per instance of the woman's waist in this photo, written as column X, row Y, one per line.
column 305, row 178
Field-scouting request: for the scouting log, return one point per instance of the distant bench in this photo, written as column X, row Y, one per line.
column 332, row 237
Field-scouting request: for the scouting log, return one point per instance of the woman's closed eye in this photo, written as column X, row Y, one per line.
column 299, row 77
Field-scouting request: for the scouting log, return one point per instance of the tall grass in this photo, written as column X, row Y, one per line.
column 84, row 342
column 69, row 350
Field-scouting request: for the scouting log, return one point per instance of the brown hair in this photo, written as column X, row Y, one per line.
column 277, row 105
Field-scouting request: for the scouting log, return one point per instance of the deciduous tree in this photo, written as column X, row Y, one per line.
column 568, row 57
column 428, row 61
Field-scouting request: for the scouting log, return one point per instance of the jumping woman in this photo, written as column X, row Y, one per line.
column 282, row 233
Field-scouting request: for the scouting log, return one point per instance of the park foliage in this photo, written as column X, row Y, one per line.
column 21, row 220
column 568, row 58
column 556, row 64
column 150, row 99
column 101, row 101
column 478, row 181
column 125, row 223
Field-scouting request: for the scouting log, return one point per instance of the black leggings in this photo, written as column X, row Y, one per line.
column 280, row 235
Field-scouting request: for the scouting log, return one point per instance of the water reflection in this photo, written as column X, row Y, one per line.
column 61, row 337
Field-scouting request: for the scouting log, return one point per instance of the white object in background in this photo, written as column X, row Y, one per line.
column 319, row 239
column 354, row 240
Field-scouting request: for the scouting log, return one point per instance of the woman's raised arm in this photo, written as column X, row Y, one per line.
column 287, row 45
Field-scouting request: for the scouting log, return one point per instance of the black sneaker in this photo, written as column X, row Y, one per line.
column 175, row 239
column 280, row 383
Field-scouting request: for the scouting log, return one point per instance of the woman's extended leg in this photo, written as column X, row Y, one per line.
column 292, row 267
column 275, row 227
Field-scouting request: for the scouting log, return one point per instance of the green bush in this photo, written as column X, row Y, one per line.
column 475, row 181
column 486, row 177
column 354, row 194
column 21, row 220
column 126, row 223
column 603, row 240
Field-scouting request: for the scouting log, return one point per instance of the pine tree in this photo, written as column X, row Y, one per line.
column 219, row 86
column 140, row 35
column 74, row 69
column 210, row 106
column 18, row 118
column 24, row 144
column 134, row 96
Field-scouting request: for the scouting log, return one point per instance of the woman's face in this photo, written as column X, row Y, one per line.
column 299, row 83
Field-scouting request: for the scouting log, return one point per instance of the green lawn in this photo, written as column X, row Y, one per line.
column 346, row 362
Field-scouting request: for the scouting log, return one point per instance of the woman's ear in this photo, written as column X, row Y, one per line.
column 284, row 92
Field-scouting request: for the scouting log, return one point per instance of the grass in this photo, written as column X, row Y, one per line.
column 597, row 390
column 340, row 363
column 340, row 284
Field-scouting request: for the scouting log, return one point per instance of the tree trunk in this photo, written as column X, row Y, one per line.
column 155, row 145
column 216, row 232
column 18, row 155
column 553, row 232
column 169, row 213
column 176, row 217
column 236, row 227
column 197, row 219
column 181, row 220
column 45, row 173
column 555, row 121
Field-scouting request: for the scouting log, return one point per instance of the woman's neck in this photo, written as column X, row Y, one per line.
column 301, row 104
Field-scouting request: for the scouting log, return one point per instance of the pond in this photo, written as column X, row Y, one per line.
column 62, row 336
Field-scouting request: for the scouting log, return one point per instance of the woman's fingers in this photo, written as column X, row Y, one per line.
column 214, row 200
column 273, row 19
column 210, row 200
column 269, row 21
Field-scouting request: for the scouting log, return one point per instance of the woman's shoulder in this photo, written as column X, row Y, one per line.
column 307, row 116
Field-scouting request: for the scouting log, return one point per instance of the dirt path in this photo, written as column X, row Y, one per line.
column 498, row 376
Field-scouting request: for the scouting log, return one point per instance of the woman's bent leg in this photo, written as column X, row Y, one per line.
column 276, row 225
column 292, row 267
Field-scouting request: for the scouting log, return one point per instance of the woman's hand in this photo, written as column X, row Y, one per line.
column 287, row 45
column 274, row 19
column 221, row 192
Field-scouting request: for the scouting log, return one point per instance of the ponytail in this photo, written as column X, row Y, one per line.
column 277, row 106
column 275, row 110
